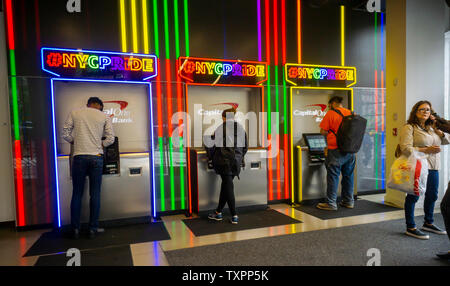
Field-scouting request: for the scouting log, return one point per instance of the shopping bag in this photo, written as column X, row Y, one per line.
column 409, row 174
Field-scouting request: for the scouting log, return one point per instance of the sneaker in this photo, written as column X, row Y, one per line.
column 416, row 233
column 326, row 206
column 75, row 233
column 234, row 219
column 216, row 216
column 347, row 205
column 433, row 228
column 444, row 255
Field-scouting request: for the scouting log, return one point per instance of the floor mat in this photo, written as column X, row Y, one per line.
column 344, row 246
column 59, row 242
column 110, row 256
column 362, row 207
column 251, row 220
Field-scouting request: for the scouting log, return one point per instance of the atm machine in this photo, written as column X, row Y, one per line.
column 127, row 185
column 208, row 93
column 312, row 87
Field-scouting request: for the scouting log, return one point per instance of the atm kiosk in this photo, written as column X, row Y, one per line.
column 312, row 86
column 213, row 85
column 121, row 81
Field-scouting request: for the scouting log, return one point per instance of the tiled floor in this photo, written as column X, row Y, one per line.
column 14, row 244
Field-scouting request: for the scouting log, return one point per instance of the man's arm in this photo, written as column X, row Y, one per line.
column 67, row 129
column 323, row 132
column 108, row 133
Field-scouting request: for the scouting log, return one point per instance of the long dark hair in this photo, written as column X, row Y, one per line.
column 413, row 120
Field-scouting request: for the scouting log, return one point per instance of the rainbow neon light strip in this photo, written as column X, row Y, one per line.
column 20, row 202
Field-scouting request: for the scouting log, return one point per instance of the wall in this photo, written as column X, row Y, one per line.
column 420, row 75
column 6, row 173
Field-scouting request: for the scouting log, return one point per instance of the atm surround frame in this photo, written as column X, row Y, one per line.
column 55, row 155
column 299, row 156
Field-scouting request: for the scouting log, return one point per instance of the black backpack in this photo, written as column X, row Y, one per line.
column 350, row 133
column 227, row 162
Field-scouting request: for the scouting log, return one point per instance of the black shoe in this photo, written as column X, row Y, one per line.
column 75, row 233
column 417, row 234
column 444, row 255
column 432, row 228
column 94, row 232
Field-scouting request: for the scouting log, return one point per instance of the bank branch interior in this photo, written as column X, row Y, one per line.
column 165, row 71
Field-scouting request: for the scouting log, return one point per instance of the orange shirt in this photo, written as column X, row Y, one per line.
column 332, row 121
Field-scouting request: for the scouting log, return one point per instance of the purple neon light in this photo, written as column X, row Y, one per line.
column 259, row 31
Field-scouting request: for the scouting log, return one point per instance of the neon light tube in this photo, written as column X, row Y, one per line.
column 299, row 30
column 258, row 11
column 123, row 25
column 343, row 35
column 186, row 27
column 145, row 26
column 134, row 24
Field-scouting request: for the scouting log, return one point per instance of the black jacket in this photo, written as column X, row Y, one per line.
column 226, row 144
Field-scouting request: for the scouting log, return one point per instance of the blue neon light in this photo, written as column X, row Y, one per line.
column 152, row 191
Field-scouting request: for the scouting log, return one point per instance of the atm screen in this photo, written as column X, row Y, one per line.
column 315, row 142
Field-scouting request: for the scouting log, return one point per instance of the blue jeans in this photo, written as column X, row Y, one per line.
column 82, row 166
column 337, row 162
column 431, row 196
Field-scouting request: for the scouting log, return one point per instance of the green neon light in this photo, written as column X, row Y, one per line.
column 172, row 176
column 177, row 28
column 269, row 104
column 15, row 104
column 186, row 27
column 166, row 29
column 286, row 116
column 156, row 27
column 182, row 173
column 277, row 102
column 161, row 173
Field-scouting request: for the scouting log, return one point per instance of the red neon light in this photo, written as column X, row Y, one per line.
column 169, row 97
column 10, row 23
column 37, row 24
column 19, row 185
column 270, row 177
column 278, row 168
column 159, row 104
column 275, row 32
column 267, row 31
column 299, row 30
column 283, row 31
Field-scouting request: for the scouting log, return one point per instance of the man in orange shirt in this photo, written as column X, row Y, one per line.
column 337, row 162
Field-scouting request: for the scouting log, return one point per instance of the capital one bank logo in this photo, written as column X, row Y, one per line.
column 216, row 111
column 317, row 114
column 116, row 109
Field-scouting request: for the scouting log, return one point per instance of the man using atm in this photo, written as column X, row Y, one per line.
column 84, row 128
column 337, row 162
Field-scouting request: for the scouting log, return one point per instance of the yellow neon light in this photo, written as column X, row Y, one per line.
column 300, row 170
column 299, row 155
column 123, row 26
column 145, row 24
column 289, row 65
column 343, row 35
column 135, row 36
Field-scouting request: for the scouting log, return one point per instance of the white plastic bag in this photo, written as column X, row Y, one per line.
column 409, row 174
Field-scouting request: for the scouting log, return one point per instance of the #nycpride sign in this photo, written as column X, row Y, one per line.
column 221, row 72
column 320, row 76
column 70, row 63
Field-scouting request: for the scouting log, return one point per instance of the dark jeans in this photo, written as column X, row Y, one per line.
column 82, row 166
column 227, row 194
column 337, row 162
column 431, row 196
column 445, row 210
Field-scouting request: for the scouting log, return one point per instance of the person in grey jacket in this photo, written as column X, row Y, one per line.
column 421, row 135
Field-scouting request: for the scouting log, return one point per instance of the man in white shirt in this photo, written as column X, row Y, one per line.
column 85, row 128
